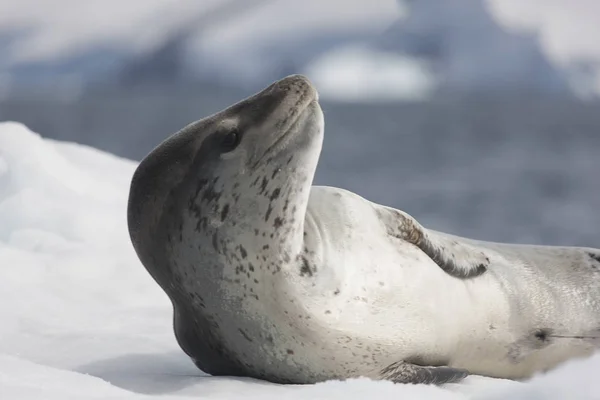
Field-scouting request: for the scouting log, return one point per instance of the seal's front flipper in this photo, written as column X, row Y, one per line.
column 456, row 258
column 403, row 372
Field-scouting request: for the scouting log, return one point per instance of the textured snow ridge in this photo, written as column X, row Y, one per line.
column 81, row 319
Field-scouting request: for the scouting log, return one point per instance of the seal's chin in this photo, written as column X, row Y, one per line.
column 309, row 119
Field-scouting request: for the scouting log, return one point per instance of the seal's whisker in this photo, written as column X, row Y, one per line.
column 573, row 337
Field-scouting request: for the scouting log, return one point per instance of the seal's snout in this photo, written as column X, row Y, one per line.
column 290, row 96
column 298, row 84
column 295, row 80
column 289, row 115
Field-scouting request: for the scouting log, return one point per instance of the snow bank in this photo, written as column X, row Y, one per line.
column 81, row 319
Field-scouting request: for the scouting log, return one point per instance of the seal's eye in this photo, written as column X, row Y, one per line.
column 230, row 140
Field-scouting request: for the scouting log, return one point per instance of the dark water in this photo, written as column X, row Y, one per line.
column 513, row 169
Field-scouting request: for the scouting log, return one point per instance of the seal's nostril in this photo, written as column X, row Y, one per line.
column 295, row 82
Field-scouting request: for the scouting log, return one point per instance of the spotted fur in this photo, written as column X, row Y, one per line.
column 276, row 279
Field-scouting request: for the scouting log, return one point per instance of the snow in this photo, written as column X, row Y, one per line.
column 80, row 318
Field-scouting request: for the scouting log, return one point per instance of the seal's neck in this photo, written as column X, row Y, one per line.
column 261, row 220
column 278, row 223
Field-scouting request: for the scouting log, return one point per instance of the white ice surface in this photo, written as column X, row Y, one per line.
column 80, row 318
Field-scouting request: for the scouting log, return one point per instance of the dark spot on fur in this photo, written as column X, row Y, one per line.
column 202, row 224
column 268, row 214
column 275, row 194
column 265, row 247
column 215, row 242
column 305, row 268
column 224, row 212
column 245, row 335
column 337, row 291
column 210, row 194
column 263, row 185
column 243, row 251
column 275, row 172
column 479, row 270
column 542, row 335
column 251, row 267
column 290, row 351
column 595, row 257
column 277, row 223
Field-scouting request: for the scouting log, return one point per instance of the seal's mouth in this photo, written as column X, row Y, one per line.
column 291, row 128
column 281, row 142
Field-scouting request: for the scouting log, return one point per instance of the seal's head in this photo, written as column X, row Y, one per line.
column 221, row 203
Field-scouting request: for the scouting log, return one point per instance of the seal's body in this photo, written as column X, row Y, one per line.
column 273, row 278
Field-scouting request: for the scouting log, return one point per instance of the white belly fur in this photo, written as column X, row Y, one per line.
column 395, row 299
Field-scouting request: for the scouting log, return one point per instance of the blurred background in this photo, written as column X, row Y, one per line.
column 478, row 117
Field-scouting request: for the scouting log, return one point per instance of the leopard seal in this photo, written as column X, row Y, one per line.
column 276, row 279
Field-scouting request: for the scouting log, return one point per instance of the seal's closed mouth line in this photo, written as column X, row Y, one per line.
column 284, row 135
